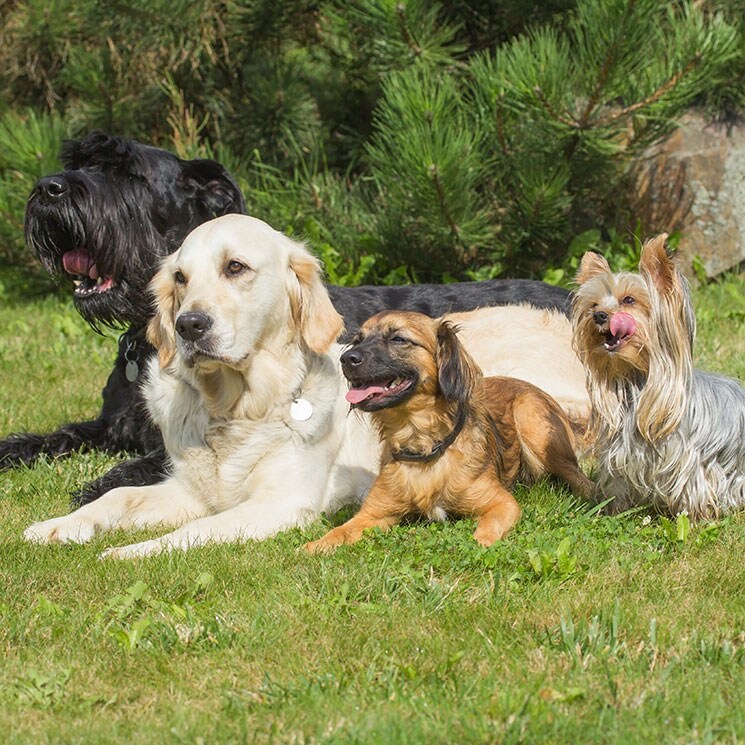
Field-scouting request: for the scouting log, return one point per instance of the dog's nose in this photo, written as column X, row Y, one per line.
column 191, row 326
column 352, row 357
column 52, row 187
column 600, row 317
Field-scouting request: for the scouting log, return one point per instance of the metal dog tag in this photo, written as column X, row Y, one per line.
column 131, row 371
column 301, row 410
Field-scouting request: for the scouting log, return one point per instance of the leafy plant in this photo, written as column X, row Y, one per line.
column 43, row 690
column 559, row 564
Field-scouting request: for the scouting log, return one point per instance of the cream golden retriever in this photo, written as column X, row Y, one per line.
column 248, row 393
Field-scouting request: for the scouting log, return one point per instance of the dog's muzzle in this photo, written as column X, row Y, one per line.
column 617, row 328
column 51, row 189
column 193, row 326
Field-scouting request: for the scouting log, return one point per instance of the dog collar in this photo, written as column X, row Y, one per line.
column 439, row 448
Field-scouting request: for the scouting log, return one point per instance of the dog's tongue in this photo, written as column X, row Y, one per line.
column 357, row 395
column 622, row 324
column 79, row 262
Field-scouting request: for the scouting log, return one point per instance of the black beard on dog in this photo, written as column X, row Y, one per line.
column 102, row 225
column 113, row 214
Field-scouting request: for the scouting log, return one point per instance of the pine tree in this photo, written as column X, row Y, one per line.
column 546, row 127
column 403, row 138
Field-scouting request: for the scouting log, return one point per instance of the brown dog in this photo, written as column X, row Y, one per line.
column 453, row 442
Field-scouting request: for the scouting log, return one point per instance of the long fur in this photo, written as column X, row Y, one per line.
column 520, row 341
column 666, row 436
column 453, row 443
column 243, row 464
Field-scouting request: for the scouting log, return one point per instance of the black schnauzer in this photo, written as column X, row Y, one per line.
column 105, row 223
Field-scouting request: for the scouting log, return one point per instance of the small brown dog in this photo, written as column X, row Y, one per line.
column 453, row 442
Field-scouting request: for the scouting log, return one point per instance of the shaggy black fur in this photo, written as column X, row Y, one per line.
column 357, row 304
column 110, row 217
column 104, row 224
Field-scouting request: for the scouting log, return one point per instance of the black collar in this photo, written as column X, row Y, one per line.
column 439, row 447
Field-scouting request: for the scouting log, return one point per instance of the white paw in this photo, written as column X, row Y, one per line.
column 133, row 550
column 66, row 529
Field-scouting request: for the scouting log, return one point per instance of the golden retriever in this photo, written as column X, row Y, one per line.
column 249, row 401
column 453, row 443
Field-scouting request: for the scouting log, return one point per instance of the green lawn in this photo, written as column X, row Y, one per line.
column 575, row 629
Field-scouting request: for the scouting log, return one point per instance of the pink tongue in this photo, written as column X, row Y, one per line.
column 356, row 395
column 622, row 324
column 79, row 262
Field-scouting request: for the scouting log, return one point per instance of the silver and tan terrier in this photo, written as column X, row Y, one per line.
column 665, row 435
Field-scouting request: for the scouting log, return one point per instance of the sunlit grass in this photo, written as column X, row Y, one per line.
column 577, row 628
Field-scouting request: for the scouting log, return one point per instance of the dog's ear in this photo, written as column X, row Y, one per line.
column 319, row 323
column 161, row 331
column 591, row 265
column 216, row 191
column 457, row 373
column 657, row 264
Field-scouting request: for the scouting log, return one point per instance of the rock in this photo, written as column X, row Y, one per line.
column 694, row 182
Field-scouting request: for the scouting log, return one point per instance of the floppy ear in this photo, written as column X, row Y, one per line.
column 658, row 265
column 591, row 265
column 217, row 193
column 320, row 324
column 161, row 327
column 457, row 373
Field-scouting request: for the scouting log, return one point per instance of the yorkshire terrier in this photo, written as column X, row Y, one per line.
column 665, row 435
column 453, row 442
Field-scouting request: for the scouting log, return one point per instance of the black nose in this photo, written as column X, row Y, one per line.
column 600, row 317
column 191, row 326
column 52, row 187
column 352, row 357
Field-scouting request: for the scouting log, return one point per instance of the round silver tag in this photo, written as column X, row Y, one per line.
column 131, row 371
column 301, row 410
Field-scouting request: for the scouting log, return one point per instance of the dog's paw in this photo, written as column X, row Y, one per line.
column 322, row 545
column 67, row 529
column 486, row 535
column 133, row 550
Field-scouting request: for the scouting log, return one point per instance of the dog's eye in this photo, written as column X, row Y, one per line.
column 234, row 268
column 628, row 300
column 399, row 340
column 179, row 278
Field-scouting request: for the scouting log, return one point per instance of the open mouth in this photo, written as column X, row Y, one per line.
column 621, row 328
column 376, row 393
column 81, row 266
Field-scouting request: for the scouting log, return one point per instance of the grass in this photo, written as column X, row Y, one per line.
column 578, row 628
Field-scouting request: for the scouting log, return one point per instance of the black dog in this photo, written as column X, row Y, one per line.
column 104, row 224
column 106, row 221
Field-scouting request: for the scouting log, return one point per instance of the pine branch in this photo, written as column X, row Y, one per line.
column 405, row 31
column 608, row 64
column 563, row 118
column 653, row 97
column 442, row 202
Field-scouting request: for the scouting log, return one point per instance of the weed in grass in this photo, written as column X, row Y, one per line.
column 559, row 564
column 134, row 619
column 585, row 641
column 44, row 690
column 676, row 532
column 719, row 652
